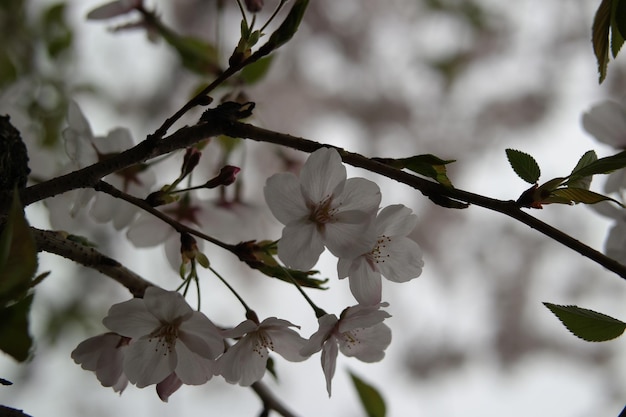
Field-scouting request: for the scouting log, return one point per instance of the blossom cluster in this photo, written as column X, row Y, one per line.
column 160, row 340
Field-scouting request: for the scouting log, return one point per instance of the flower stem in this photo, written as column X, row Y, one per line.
column 243, row 303
column 318, row 311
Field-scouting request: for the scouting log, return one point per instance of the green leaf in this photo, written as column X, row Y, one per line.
column 256, row 71
column 588, row 324
column 524, row 165
column 578, row 195
column 289, row 26
column 15, row 339
column 600, row 36
column 604, row 165
column 577, row 181
column 618, row 24
column 56, row 32
column 370, row 397
column 427, row 165
column 18, row 255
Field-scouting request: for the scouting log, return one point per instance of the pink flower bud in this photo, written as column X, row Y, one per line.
column 254, row 6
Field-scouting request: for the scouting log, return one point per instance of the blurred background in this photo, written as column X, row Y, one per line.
column 459, row 79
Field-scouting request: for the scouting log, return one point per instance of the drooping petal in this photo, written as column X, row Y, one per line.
column 401, row 260
column 366, row 344
column 321, row 174
column 283, row 197
column 326, row 324
column 148, row 361
column 168, row 386
column 395, row 220
column 365, row 282
column 300, row 246
column 329, row 362
column 131, row 319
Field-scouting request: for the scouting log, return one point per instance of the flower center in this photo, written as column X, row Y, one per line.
column 350, row 339
column 262, row 343
column 379, row 253
column 323, row 213
column 165, row 336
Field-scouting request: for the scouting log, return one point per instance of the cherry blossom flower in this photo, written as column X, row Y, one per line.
column 167, row 337
column 85, row 149
column 359, row 333
column 322, row 209
column 394, row 256
column 244, row 362
column 104, row 355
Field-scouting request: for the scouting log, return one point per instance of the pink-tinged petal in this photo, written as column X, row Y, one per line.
column 148, row 231
column 148, row 361
column 348, row 240
column 321, row 174
column 401, row 260
column 606, row 122
column 87, row 353
column 168, row 386
column 110, row 363
column 329, row 362
column 283, row 197
column 201, row 336
column 395, row 220
column 166, row 306
column 362, row 195
column 131, row 319
column 189, row 366
column 362, row 316
column 317, row 339
column 367, row 344
column 244, row 362
column 300, row 246
column 287, row 343
column 365, row 283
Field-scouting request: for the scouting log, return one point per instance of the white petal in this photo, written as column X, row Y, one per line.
column 201, row 336
column 343, row 267
column 362, row 316
column 615, row 245
column 166, row 306
column 283, row 197
column 321, row 174
column 365, row 283
column 243, row 363
column 370, row 343
column 287, row 343
column 360, row 194
column 345, row 240
column 395, row 220
column 168, row 386
column 300, row 246
column 131, row 319
column 326, row 324
column 401, row 260
column 148, row 361
column 329, row 362
column 189, row 367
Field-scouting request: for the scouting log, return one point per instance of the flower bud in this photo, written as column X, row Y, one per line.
column 254, row 6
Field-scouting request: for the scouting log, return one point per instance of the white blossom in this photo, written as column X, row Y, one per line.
column 322, row 209
column 359, row 332
column 167, row 337
column 244, row 362
column 393, row 255
column 104, row 355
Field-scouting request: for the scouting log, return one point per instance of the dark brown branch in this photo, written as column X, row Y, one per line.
column 57, row 243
